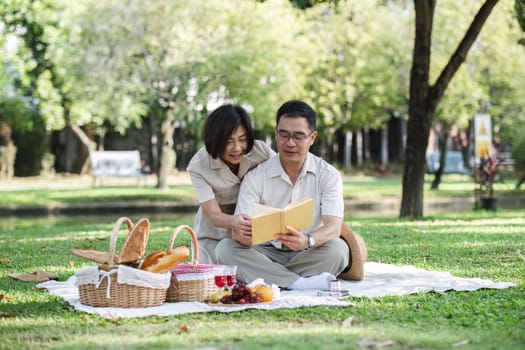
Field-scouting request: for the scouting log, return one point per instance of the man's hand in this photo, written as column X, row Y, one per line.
column 295, row 240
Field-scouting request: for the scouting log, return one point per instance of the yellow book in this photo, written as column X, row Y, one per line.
column 268, row 221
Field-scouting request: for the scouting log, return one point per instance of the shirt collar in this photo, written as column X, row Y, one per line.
column 276, row 168
column 219, row 164
column 216, row 163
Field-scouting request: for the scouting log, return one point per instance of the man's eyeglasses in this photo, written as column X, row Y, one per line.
column 297, row 137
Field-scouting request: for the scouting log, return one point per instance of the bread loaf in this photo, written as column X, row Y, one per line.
column 170, row 259
column 152, row 258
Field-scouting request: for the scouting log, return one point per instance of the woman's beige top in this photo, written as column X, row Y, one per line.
column 211, row 178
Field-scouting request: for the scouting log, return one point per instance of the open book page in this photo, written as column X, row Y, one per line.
column 268, row 221
column 260, row 210
column 299, row 215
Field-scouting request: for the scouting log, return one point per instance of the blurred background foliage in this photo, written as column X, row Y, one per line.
column 116, row 63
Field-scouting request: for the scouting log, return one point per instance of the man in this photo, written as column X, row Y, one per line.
column 299, row 260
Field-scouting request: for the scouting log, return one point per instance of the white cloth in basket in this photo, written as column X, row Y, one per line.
column 125, row 275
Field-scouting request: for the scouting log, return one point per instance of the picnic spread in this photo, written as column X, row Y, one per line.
column 380, row 280
column 130, row 284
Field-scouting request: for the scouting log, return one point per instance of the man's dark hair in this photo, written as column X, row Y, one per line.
column 297, row 109
column 220, row 125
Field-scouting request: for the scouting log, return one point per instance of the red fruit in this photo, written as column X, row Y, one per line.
column 227, row 299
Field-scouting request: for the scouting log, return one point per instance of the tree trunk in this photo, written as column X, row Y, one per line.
column 359, row 152
column 384, row 146
column 425, row 98
column 418, row 127
column 366, row 145
column 348, row 150
column 167, row 154
column 153, row 144
column 414, row 168
column 442, row 145
column 83, row 137
column 520, row 182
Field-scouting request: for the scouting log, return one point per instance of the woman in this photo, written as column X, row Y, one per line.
column 216, row 172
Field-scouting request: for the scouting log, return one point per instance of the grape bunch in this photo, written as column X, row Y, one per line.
column 241, row 294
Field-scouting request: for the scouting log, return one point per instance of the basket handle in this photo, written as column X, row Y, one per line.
column 114, row 236
column 195, row 244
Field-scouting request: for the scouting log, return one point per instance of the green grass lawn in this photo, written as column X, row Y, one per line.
column 356, row 187
column 88, row 195
column 489, row 245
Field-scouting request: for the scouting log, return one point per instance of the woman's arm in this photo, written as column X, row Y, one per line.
column 239, row 222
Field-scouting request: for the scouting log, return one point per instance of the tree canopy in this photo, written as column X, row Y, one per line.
column 113, row 63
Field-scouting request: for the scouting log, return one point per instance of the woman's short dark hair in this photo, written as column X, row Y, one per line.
column 296, row 109
column 220, row 125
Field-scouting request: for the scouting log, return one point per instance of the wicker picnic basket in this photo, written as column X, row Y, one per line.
column 120, row 285
column 191, row 281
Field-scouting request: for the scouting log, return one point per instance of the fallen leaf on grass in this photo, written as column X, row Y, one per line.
column 112, row 318
column 37, row 276
column 372, row 344
column 439, row 292
column 348, row 322
column 461, row 343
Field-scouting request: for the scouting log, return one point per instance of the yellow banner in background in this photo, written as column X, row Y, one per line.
column 482, row 136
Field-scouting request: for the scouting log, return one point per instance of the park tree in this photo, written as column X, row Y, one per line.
column 464, row 96
column 519, row 6
column 150, row 66
column 351, row 85
column 424, row 96
column 28, row 23
column 518, row 135
column 504, row 82
column 480, row 86
column 254, row 59
column 175, row 60
column 34, row 79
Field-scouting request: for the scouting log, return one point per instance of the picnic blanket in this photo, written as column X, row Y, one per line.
column 380, row 280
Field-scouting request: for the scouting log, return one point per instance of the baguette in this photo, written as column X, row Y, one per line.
column 170, row 259
column 152, row 258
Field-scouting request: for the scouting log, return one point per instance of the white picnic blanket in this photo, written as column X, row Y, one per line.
column 380, row 280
